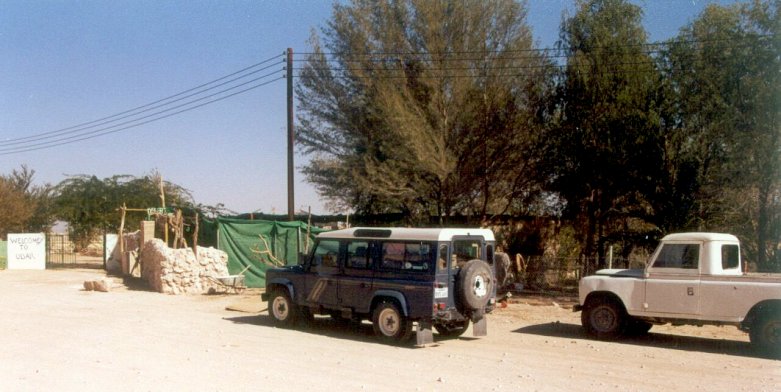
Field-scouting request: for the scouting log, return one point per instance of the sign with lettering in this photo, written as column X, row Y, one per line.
column 27, row 251
column 152, row 211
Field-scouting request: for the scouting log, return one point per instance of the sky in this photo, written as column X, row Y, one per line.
column 65, row 63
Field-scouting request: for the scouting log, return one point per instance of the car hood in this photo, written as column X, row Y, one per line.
column 627, row 273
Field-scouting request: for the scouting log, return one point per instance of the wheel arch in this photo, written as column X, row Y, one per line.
column 604, row 296
column 396, row 296
column 768, row 306
column 281, row 284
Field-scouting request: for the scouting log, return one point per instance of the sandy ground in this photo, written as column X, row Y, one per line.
column 56, row 336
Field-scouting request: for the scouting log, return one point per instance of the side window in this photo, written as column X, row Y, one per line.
column 326, row 254
column 400, row 256
column 730, row 256
column 686, row 256
column 392, row 255
column 358, row 255
column 442, row 260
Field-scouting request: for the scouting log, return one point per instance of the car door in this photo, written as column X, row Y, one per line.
column 355, row 284
column 673, row 282
column 322, row 281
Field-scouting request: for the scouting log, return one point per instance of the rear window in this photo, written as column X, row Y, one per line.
column 730, row 256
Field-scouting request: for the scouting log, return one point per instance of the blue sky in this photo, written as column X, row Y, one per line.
column 64, row 63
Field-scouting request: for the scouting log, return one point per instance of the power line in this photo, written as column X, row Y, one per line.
column 541, row 50
column 428, row 58
column 106, row 131
column 143, row 108
column 80, row 132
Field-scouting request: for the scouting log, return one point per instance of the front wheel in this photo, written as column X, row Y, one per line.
column 765, row 335
column 603, row 319
column 390, row 324
column 282, row 309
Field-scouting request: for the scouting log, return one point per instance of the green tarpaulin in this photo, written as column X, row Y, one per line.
column 3, row 251
column 257, row 245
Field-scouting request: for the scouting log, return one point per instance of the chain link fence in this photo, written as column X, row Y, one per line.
column 555, row 274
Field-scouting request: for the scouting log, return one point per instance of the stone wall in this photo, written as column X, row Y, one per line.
column 177, row 271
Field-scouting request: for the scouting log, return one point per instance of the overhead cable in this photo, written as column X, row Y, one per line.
column 143, row 108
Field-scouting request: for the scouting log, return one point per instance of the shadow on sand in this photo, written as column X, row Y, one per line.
column 652, row 339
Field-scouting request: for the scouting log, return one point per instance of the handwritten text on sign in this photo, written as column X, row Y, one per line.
column 27, row 251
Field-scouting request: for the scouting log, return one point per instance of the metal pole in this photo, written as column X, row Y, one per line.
column 290, row 137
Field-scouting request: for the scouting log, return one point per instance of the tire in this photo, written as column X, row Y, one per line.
column 635, row 327
column 475, row 285
column 390, row 324
column 765, row 335
column 603, row 318
column 452, row 330
column 282, row 309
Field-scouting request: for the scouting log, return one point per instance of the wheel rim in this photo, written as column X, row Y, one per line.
column 604, row 319
column 479, row 286
column 772, row 332
column 389, row 322
column 280, row 308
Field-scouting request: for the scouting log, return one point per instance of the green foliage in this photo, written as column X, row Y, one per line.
column 420, row 108
column 723, row 71
column 91, row 205
column 608, row 149
column 24, row 207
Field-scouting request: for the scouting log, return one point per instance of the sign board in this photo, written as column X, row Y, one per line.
column 27, row 251
column 109, row 242
column 152, row 211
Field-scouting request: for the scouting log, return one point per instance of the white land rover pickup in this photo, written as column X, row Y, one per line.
column 691, row 279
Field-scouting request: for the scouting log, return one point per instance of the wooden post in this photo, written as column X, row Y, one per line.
column 308, row 230
column 123, row 209
column 195, row 237
column 290, row 137
column 162, row 203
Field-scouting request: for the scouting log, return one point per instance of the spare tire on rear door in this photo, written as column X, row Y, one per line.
column 474, row 285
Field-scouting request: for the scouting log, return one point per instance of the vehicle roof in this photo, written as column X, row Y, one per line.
column 695, row 236
column 416, row 234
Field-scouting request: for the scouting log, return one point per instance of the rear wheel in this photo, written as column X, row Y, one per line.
column 390, row 324
column 281, row 308
column 603, row 318
column 765, row 334
column 452, row 330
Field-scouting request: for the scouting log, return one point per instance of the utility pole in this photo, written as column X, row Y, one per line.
column 290, row 137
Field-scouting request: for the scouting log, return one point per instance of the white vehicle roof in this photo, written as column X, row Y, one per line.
column 403, row 233
column 700, row 237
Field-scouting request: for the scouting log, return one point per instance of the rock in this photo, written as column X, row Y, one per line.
column 102, row 285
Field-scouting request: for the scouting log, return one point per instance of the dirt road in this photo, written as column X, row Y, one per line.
column 55, row 336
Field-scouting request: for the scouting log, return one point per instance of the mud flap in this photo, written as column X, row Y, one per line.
column 480, row 327
column 423, row 335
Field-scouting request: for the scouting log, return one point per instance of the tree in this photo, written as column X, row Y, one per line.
column 424, row 108
column 90, row 205
column 606, row 151
column 723, row 68
column 24, row 206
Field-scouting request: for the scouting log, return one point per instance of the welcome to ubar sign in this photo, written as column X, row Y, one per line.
column 27, row 251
